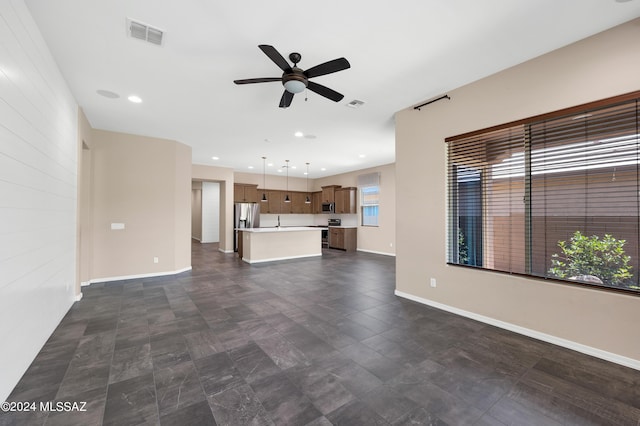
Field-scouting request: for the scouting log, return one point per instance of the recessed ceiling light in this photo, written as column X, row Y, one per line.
column 251, row 167
column 306, row 173
column 108, row 94
column 215, row 158
column 279, row 170
column 270, row 165
column 293, row 167
column 135, row 99
column 362, row 155
column 298, row 134
column 323, row 169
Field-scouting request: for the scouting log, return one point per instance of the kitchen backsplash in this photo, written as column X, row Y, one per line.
column 268, row 220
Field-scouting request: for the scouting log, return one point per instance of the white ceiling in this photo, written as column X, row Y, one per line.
column 401, row 53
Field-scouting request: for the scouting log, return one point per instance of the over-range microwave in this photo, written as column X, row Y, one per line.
column 328, row 207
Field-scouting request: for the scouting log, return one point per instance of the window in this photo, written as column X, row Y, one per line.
column 555, row 196
column 369, row 185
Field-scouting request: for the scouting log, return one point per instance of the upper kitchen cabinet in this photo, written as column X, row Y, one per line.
column 286, row 207
column 272, row 205
column 329, row 193
column 345, row 199
column 245, row 193
column 316, row 202
column 298, row 203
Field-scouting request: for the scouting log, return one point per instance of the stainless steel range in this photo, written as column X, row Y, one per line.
column 334, row 222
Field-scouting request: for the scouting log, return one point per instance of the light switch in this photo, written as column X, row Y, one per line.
column 117, row 226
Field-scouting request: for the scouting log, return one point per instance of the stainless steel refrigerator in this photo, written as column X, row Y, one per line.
column 246, row 215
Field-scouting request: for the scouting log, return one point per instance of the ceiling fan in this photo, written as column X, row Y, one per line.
column 295, row 80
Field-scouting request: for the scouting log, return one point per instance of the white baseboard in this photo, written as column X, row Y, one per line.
column 138, row 276
column 579, row 347
column 225, row 251
column 78, row 297
column 274, row 259
column 84, row 283
column 377, row 252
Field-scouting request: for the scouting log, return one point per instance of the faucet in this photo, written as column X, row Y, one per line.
column 278, row 221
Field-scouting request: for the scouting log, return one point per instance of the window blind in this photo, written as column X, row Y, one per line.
column 486, row 190
column 555, row 196
column 369, row 179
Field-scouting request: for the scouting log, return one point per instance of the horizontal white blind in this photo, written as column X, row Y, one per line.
column 369, row 179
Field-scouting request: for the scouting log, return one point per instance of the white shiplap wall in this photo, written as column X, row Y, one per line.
column 38, row 180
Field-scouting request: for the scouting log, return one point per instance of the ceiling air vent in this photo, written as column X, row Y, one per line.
column 144, row 32
column 355, row 103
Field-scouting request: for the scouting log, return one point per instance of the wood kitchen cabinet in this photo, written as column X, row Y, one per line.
column 343, row 238
column 298, row 203
column 316, row 202
column 273, row 202
column 286, row 207
column 245, row 193
column 346, row 200
column 329, row 193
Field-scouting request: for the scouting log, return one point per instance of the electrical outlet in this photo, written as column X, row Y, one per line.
column 433, row 282
column 155, row 260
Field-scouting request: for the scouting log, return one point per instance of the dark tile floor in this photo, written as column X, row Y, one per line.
column 308, row 342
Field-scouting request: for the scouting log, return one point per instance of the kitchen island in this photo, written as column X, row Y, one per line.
column 270, row 244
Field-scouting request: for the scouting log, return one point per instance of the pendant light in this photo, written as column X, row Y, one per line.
column 286, row 197
column 264, row 186
column 307, row 200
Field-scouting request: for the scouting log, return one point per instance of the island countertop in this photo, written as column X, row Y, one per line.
column 281, row 229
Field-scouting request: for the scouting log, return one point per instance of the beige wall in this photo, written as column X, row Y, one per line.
column 84, row 244
column 144, row 183
column 598, row 67
column 381, row 239
column 224, row 176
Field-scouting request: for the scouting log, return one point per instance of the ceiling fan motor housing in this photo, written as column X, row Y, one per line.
column 294, row 81
column 295, row 57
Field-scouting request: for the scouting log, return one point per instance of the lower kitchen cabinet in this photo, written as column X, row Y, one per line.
column 343, row 238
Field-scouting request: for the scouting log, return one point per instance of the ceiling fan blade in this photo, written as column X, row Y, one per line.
column 275, row 56
column 286, row 99
column 328, row 67
column 257, row 80
column 325, row 91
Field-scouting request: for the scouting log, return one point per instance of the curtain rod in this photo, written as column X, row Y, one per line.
column 431, row 101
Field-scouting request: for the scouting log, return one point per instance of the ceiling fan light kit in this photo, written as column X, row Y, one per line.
column 294, row 86
column 296, row 80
